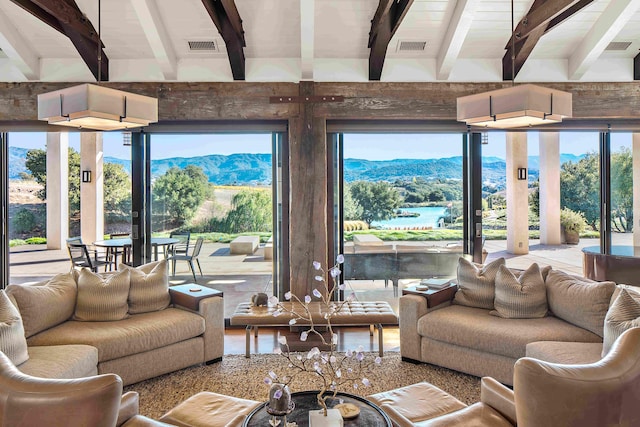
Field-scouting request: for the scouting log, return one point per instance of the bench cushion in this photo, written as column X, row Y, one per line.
column 352, row 313
column 472, row 327
column 136, row 334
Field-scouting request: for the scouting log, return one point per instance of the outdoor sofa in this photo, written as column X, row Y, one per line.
column 466, row 333
column 80, row 323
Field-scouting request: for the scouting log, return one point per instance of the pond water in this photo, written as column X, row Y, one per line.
column 428, row 218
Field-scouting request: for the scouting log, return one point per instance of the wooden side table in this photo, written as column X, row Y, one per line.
column 190, row 294
column 433, row 296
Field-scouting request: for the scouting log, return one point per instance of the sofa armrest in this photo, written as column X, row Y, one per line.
column 142, row 421
column 499, row 398
column 129, row 407
column 412, row 308
column 212, row 309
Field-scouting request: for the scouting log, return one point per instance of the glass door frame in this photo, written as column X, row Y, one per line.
column 4, row 208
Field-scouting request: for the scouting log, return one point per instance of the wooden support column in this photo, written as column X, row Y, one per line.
column 517, row 195
column 550, row 188
column 308, row 209
column 91, row 193
column 57, row 189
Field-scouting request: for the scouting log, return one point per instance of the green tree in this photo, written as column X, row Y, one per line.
column 351, row 210
column 378, row 200
column 579, row 187
column 117, row 190
column 36, row 163
column 180, row 192
column 250, row 212
column 622, row 190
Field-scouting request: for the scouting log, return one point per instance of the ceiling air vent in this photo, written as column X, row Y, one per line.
column 203, row 46
column 618, row 46
column 411, row 46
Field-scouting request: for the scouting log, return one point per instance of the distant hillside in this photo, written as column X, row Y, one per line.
column 251, row 169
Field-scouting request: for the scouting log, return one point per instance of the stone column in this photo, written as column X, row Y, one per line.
column 517, row 195
column 550, row 233
column 57, row 189
column 636, row 189
column 91, row 193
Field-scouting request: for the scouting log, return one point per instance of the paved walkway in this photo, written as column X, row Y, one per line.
column 240, row 276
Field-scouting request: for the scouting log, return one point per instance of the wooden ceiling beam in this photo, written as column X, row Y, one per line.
column 226, row 18
column 65, row 17
column 541, row 17
column 386, row 22
column 636, row 67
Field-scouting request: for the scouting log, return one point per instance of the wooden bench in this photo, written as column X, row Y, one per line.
column 244, row 245
column 374, row 314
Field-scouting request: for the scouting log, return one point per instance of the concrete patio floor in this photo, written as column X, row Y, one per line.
column 240, row 276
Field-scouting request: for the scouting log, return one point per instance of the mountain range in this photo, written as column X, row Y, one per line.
column 252, row 169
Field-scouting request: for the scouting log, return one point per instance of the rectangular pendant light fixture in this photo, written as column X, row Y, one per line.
column 515, row 107
column 89, row 106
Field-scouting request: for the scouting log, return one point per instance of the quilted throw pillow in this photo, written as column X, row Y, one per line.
column 149, row 287
column 520, row 297
column 12, row 340
column 476, row 283
column 579, row 301
column 623, row 314
column 102, row 298
column 45, row 304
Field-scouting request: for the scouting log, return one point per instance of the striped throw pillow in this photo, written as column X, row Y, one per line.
column 476, row 283
column 623, row 314
column 149, row 287
column 12, row 340
column 520, row 297
column 101, row 298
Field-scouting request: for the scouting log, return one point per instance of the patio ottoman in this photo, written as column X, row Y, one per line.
column 207, row 409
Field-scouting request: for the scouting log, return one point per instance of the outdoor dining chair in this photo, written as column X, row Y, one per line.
column 189, row 258
column 81, row 256
column 182, row 247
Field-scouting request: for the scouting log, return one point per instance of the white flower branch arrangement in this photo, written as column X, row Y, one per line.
column 334, row 369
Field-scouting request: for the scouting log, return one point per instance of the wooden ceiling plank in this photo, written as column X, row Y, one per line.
column 383, row 31
column 569, row 12
column 523, row 50
column 457, row 31
column 17, row 50
column 605, row 29
column 89, row 53
column 157, row 36
column 540, row 13
column 233, row 39
column 69, row 13
column 40, row 13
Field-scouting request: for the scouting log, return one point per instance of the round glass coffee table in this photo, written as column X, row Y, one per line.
column 370, row 414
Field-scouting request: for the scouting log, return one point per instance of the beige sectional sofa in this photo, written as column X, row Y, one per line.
column 478, row 341
column 149, row 336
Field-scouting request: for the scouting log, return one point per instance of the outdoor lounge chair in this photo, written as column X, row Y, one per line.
column 189, row 258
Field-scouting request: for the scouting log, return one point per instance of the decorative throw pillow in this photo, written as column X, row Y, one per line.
column 149, row 289
column 102, row 298
column 520, row 297
column 12, row 340
column 476, row 283
column 45, row 304
column 623, row 314
column 579, row 301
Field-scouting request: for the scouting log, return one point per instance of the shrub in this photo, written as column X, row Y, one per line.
column 572, row 221
column 24, row 221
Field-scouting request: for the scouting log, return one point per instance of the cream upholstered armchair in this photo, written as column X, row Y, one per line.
column 96, row 401
column 605, row 393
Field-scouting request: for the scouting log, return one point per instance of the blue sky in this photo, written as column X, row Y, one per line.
column 368, row 146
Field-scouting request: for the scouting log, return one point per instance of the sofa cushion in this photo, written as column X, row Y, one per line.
column 149, row 289
column 520, row 297
column 571, row 353
column 61, row 361
column 136, row 334
column 102, row 298
column 579, row 301
column 476, row 283
column 623, row 314
column 45, row 304
column 474, row 328
column 12, row 339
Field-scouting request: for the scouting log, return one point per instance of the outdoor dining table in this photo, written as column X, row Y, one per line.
column 116, row 244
